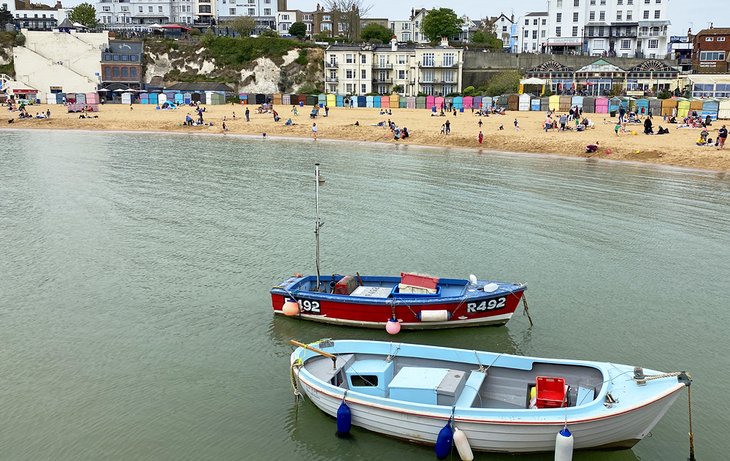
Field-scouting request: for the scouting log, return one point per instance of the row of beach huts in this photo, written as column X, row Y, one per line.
column 679, row 107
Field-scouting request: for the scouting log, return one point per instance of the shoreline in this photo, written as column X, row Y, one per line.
column 676, row 149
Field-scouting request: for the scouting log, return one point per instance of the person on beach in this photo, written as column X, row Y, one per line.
column 224, row 127
column 480, row 124
column 617, row 128
column 548, row 123
column 517, row 125
column 443, row 128
column 592, row 148
column 448, row 127
column 314, row 131
column 247, row 115
column 480, row 137
column 721, row 137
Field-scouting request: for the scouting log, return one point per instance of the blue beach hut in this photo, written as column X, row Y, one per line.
column 322, row 100
column 369, row 101
column 642, row 106
column 577, row 101
column 362, row 101
column 477, row 102
column 376, row 102
column 154, row 98
column 339, row 101
column 178, row 98
column 613, row 105
column 535, row 104
column 458, row 102
column 187, row 98
column 711, row 108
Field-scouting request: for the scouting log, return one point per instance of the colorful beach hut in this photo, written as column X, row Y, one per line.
column 420, row 102
column 161, row 98
column 331, row 100
column 369, row 102
column 126, row 98
column 154, row 98
column 564, row 104
column 535, row 104
column 468, row 102
column 683, row 106
column 394, row 100
column 655, row 106
column 411, row 102
column 321, row 100
column 339, row 100
column 286, row 99
column 487, row 102
column 711, row 108
column 50, row 98
column 554, row 102
column 385, row 102
column 402, row 102
column 724, row 112
column 589, row 104
column 449, row 102
column 243, row 97
column 669, row 107
column 458, row 103
column 642, row 106
column 503, row 101
column 80, row 98
column 602, row 105
column 440, row 103
column 477, row 103
column 577, row 101
column 301, row 99
column 524, row 101
column 178, row 98
column 629, row 104
column 362, row 101
column 431, row 102
column 277, row 99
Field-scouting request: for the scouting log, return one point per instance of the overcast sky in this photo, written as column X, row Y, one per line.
column 682, row 13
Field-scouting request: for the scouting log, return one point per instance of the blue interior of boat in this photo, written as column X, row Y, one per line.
column 446, row 288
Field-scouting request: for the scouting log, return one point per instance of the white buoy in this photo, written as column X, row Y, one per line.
column 564, row 445
column 462, row 445
column 473, row 279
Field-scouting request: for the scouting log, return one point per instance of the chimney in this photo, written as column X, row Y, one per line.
column 445, row 42
column 710, row 25
column 393, row 44
column 58, row 5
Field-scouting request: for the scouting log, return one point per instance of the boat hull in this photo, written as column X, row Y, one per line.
column 471, row 310
column 597, row 424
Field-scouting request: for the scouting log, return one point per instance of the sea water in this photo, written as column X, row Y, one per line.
column 135, row 272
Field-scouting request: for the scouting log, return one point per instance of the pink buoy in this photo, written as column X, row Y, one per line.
column 290, row 308
column 392, row 326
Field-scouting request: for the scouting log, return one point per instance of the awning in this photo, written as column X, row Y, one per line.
column 533, row 81
column 564, row 41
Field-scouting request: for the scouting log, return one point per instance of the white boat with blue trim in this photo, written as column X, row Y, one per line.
column 500, row 402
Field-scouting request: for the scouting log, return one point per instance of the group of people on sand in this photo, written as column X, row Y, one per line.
column 705, row 140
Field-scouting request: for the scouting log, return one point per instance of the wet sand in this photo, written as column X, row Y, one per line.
column 676, row 148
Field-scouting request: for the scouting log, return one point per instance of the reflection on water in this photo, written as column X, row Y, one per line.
column 136, row 318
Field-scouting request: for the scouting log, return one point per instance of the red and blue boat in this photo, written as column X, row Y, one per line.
column 410, row 301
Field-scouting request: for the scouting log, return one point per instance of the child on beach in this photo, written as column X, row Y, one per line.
column 517, row 125
column 617, row 128
column 480, row 137
column 314, row 131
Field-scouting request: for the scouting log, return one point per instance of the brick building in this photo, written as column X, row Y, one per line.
column 711, row 50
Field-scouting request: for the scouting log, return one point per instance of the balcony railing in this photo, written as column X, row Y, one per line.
column 382, row 80
column 331, row 79
column 439, row 64
column 384, row 65
column 331, row 65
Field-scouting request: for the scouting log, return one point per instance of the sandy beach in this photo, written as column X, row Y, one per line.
column 676, row 148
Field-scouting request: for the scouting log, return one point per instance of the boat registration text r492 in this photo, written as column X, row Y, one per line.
column 486, row 305
column 308, row 307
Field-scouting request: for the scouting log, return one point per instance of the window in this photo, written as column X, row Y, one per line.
column 712, row 55
column 363, row 59
column 449, row 59
column 560, row 3
column 620, row 2
column 364, row 88
column 401, row 59
column 534, row 34
column 106, row 9
column 349, row 59
column 232, row 11
column 364, row 380
column 629, row 15
column 402, row 75
column 534, row 22
column 133, row 57
column 267, row 11
column 574, row 32
column 116, row 71
column 544, row 22
column 428, row 75
column 558, row 17
column 629, row 2
column 150, row 9
column 625, row 44
column 646, row 14
column 593, row 2
column 557, row 31
column 575, row 17
column 576, row 2
column 125, row 57
column 251, row 11
column 349, row 73
column 592, row 16
column 116, row 57
column 619, row 15
column 603, row 2
column 428, row 60
column 602, row 16
column 125, row 72
column 653, row 44
column 720, row 39
column 364, row 74
column 527, row 22
column 159, row 9
column 326, row 17
column 107, row 73
column 657, row 14
column 141, row 9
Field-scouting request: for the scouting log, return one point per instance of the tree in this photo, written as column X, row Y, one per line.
column 441, row 22
column 243, row 25
column 348, row 13
column 85, row 14
column 489, row 39
column 376, row 32
column 298, row 29
column 504, row 82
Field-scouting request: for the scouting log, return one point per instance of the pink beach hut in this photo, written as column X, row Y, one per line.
column 430, row 102
column 468, row 102
column 385, row 102
column 440, row 102
column 601, row 105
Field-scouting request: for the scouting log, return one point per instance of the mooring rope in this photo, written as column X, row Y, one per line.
column 294, row 377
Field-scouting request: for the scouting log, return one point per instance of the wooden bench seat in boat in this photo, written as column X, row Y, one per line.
column 471, row 389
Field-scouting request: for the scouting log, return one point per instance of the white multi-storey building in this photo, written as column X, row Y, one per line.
column 625, row 28
column 410, row 70
column 533, row 33
column 264, row 12
column 140, row 13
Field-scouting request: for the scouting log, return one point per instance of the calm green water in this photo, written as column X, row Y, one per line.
column 135, row 320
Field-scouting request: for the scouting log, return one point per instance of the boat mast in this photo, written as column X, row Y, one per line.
column 317, row 223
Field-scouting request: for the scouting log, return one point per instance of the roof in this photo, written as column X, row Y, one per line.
column 125, row 46
column 66, row 24
column 715, row 31
column 600, row 66
column 200, row 86
column 537, row 13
